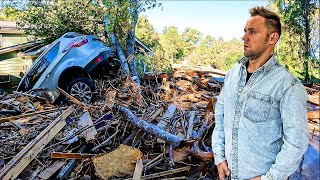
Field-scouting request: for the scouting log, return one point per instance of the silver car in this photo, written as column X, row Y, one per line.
column 69, row 62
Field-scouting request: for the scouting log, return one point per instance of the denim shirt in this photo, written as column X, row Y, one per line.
column 261, row 127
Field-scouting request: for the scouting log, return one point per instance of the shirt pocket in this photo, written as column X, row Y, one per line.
column 258, row 107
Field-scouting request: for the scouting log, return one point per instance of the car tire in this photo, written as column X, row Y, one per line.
column 82, row 88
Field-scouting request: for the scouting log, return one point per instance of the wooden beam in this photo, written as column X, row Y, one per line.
column 166, row 173
column 74, row 100
column 61, row 155
column 166, row 118
column 85, row 121
column 138, row 170
column 52, row 169
column 33, row 148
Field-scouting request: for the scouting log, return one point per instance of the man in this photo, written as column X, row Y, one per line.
column 261, row 129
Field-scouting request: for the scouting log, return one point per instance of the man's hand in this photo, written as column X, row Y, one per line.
column 256, row 178
column 223, row 170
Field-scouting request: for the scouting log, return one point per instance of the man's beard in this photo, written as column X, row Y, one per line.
column 255, row 55
column 252, row 56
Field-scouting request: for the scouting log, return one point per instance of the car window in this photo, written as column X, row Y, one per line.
column 51, row 54
column 99, row 41
column 40, row 66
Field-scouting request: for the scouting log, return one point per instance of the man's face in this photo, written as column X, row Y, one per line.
column 255, row 38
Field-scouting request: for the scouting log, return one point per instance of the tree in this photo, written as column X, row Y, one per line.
column 8, row 13
column 118, row 18
column 120, row 22
column 51, row 20
column 191, row 38
column 171, row 42
column 146, row 33
column 298, row 17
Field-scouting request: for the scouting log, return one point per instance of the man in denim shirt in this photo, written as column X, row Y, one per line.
column 261, row 129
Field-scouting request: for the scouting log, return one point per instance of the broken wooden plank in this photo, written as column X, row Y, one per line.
column 165, row 120
column 109, row 99
column 138, row 170
column 24, row 157
column 176, row 178
column 74, row 100
column 105, row 141
column 155, row 114
column 166, row 173
column 22, row 130
column 86, row 121
column 12, row 118
column 314, row 115
column 35, row 173
column 62, row 155
column 52, row 169
column 160, row 156
column 190, row 125
column 189, row 78
column 67, row 169
column 27, row 94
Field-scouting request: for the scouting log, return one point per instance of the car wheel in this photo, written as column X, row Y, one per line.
column 82, row 89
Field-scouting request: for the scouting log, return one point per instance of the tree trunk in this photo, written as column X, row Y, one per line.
column 131, row 42
column 116, row 45
column 307, row 44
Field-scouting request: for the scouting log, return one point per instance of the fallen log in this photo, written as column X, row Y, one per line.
column 176, row 141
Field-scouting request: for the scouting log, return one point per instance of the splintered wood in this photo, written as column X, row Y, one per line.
column 159, row 130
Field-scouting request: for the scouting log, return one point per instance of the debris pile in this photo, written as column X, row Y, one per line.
column 314, row 112
column 160, row 130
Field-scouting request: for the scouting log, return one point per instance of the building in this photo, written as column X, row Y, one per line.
column 12, row 41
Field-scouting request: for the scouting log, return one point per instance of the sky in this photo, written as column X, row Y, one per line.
column 224, row 19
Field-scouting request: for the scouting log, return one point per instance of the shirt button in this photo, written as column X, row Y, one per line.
column 240, row 89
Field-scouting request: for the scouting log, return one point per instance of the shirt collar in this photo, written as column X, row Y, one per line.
column 266, row 67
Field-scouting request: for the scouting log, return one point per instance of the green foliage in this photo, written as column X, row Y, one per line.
column 53, row 20
column 300, row 39
column 190, row 38
column 217, row 53
column 190, row 47
column 121, row 15
column 171, row 43
column 146, row 33
column 9, row 14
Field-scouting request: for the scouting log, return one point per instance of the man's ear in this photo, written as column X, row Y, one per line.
column 273, row 38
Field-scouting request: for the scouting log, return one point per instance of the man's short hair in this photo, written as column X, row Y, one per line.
column 272, row 19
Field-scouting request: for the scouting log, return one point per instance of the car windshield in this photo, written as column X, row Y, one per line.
column 39, row 67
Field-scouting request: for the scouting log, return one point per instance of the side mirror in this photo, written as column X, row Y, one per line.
column 21, row 74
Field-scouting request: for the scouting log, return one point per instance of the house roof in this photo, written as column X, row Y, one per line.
column 11, row 27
